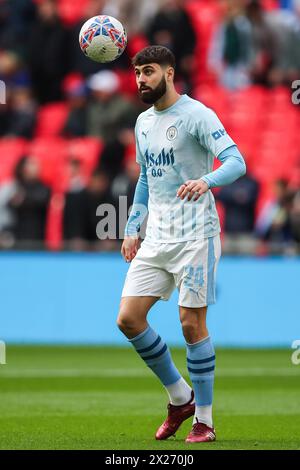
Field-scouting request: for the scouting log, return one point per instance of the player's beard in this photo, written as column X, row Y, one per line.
column 152, row 95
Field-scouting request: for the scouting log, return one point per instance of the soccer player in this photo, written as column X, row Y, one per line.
column 176, row 142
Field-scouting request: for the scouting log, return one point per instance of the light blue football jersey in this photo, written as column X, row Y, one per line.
column 176, row 145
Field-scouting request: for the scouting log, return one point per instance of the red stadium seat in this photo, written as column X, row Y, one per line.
column 270, row 4
column 51, row 119
column 136, row 43
column 204, row 15
column 72, row 11
column 214, row 97
column 52, row 154
column 127, row 82
column 55, row 153
column 54, row 225
column 86, row 149
column 270, row 148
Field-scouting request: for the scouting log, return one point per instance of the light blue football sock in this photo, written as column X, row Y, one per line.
column 201, row 367
column 154, row 351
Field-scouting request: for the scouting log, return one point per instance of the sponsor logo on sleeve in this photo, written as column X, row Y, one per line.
column 218, row 134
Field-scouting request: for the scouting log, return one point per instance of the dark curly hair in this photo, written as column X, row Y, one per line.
column 154, row 54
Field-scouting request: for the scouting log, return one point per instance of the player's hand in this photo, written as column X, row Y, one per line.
column 193, row 188
column 130, row 248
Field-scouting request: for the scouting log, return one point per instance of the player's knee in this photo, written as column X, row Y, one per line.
column 126, row 323
column 188, row 329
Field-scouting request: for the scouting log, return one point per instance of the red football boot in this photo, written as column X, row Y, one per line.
column 201, row 433
column 176, row 416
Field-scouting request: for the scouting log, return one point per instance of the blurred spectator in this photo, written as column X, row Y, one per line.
column 20, row 114
column 80, row 211
column 112, row 158
column 114, row 153
column 12, row 70
column 7, row 219
column 76, row 96
column 135, row 15
column 14, row 75
column 108, row 111
column 252, row 45
column 74, row 208
column 231, row 50
column 286, row 27
column 124, row 186
column 239, row 200
column 295, row 207
column 286, row 3
column 97, row 193
column 48, row 52
column 255, row 46
column 16, row 17
column 29, row 203
column 264, row 42
column 172, row 27
column 295, row 5
column 273, row 223
column 295, row 219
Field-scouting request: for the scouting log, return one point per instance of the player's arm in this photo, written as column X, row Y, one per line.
column 233, row 167
column 137, row 216
column 210, row 134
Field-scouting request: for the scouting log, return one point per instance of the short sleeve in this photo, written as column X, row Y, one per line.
column 210, row 132
column 139, row 156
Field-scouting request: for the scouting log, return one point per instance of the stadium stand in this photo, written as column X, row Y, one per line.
column 51, row 119
column 262, row 120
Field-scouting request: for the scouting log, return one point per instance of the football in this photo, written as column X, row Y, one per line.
column 103, row 38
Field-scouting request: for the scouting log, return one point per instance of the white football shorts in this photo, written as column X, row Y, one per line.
column 190, row 266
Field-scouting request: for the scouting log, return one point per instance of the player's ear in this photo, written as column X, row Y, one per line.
column 170, row 73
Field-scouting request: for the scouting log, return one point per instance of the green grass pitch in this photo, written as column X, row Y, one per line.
column 106, row 398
